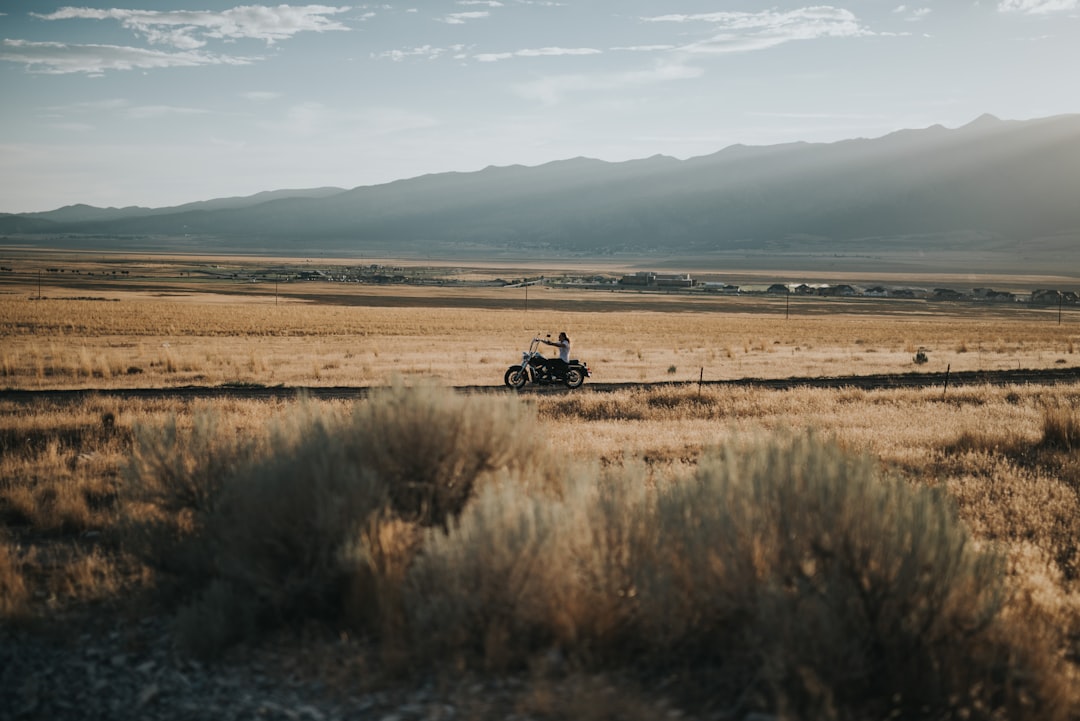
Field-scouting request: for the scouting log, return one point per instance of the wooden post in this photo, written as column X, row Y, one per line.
column 943, row 390
column 700, row 380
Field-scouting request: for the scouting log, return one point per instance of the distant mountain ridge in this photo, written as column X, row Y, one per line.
column 991, row 186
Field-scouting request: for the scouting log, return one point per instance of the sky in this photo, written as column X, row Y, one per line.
column 168, row 102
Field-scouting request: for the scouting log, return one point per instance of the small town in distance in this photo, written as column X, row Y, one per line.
column 640, row 281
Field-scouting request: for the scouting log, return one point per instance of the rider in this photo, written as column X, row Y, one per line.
column 558, row 366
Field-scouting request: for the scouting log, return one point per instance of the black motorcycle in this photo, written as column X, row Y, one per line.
column 535, row 368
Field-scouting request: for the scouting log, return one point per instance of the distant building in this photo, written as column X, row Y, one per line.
column 646, row 279
column 946, row 294
column 641, row 278
column 993, row 296
column 1053, row 297
column 674, row 280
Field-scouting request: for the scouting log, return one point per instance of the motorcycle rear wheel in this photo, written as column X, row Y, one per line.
column 574, row 377
column 516, row 377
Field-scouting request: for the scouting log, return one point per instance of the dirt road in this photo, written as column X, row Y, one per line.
column 944, row 380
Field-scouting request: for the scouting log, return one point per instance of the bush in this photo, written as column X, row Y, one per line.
column 175, row 479
column 430, row 447
column 183, row 470
column 849, row 586
column 784, row 575
column 1060, row 428
column 295, row 524
column 788, row 573
column 505, row 584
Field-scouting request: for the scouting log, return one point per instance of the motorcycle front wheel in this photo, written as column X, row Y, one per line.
column 574, row 377
column 515, row 377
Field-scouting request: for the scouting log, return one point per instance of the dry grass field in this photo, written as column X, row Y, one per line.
column 802, row 553
column 171, row 323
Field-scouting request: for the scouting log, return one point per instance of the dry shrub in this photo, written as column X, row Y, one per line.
column 378, row 558
column 854, row 590
column 86, row 576
column 254, row 538
column 429, row 446
column 182, row 468
column 501, row 586
column 980, row 441
column 317, row 515
column 48, row 484
column 787, row 573
column 646, row 404
column 279, row 530
column 595, row 407
column 14, row 592
column 1060, row 428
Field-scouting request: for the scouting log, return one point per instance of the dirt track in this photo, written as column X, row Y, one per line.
column 1050, row 376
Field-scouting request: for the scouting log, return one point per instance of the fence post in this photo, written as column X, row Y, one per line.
column 946, row 388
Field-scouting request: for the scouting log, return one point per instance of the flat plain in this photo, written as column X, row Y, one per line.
column 1004, row 458
column 170, row 320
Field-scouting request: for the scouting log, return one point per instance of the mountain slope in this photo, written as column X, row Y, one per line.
column 1000, row 184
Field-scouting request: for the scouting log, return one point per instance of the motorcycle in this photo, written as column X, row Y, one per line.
column 534, row 368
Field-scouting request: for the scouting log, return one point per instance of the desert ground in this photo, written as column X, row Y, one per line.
column 665, row 548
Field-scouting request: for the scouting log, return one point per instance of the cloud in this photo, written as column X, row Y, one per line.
column 745, row 31
column 427, row 52
column 643, row 48
column 1038, row 7
column 58, row 58
column 462, row 18
column 485, row 3
column 190, row 30
column 912, row 14
column 535, row 53
column 551, row 90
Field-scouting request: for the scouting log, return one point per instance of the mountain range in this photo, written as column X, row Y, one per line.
column 990, row 193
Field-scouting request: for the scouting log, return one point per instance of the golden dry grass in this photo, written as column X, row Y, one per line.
column 155, row 342
column 1006, row 457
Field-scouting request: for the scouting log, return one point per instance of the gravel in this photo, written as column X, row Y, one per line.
column 131, row 670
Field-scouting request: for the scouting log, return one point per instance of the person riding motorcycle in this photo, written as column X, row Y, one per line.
column 557, row 366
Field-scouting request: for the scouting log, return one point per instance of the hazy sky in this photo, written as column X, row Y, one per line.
column 173, row 101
